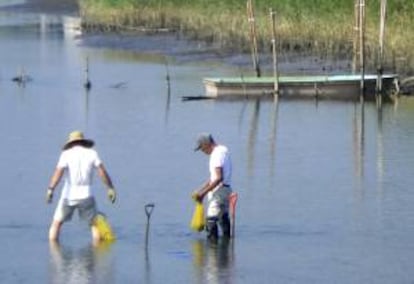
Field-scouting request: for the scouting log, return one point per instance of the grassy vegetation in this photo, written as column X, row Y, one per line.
column 319, row 27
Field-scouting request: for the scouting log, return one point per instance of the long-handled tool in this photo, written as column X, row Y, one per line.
column 232, row 202
column 148, row 211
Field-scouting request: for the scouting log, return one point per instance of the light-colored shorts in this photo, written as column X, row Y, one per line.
column 86, row 210
column 218, row 202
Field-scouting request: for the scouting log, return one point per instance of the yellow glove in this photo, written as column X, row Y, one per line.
column 49, row 195
column 111, row 195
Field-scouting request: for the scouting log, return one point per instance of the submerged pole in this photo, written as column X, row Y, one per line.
column 275, row 69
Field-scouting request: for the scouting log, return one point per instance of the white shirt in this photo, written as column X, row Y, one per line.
column 220, row 158
column 79, row 163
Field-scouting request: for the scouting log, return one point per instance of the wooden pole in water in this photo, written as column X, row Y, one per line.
column 253, row 37
column 381, row 45
column 87, row 85
column 275, row 69
column 362, row 45
column 356, row 37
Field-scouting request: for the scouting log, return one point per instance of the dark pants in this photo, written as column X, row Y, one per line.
column 212, row 228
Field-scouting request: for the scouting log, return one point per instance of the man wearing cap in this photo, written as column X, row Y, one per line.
column 217, row 188
column 77, row 161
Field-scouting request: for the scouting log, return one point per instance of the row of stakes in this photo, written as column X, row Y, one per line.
column 22, row 78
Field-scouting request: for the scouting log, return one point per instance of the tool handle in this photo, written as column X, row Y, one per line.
column 149, row 208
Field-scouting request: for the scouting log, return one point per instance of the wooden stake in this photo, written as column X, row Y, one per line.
column 381, row 45
column 356, row 37
column 87, row 85
column 275, row 69
column 362, row 45
column 253, row 37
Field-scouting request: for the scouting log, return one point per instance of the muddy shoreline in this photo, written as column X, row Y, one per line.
column 179, row 49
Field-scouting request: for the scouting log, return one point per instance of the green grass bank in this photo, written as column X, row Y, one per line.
column 306, row 27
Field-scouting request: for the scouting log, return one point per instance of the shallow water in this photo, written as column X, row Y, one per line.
column 325, row 188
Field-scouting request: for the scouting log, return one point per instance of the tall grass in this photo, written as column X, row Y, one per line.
column 320, row 27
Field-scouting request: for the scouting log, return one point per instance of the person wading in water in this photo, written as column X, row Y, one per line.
column 77, row 161
column 217, row 188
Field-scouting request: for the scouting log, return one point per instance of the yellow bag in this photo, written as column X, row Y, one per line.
column 104, row 228
column 198, row 222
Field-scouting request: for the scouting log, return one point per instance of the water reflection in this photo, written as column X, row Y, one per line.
column 168, row 79
column 213, row 262
column 380, row 150
column 273, row 135
column 86, row 107
column 89, row 264
column 148, row 269
column 254, row 123
column 358, row 140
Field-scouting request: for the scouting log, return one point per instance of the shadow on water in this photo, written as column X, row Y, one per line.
column 89, row 264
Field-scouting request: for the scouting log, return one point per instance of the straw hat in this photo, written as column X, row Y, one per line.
column 76, row 137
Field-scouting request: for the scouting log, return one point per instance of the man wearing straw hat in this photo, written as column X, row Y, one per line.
column 78, row 161
column 217, row 188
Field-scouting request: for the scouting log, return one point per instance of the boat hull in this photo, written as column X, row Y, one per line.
column 333, row 87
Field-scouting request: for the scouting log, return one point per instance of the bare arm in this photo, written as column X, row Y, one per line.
column 210, row 185
column 55, row 179
column 106, row 179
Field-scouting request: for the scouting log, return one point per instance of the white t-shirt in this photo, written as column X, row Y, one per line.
column 79, row 163
column 220, row 158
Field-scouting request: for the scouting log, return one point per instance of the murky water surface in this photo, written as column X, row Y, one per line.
column 325, row 188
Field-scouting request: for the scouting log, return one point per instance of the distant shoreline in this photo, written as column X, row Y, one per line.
column 69, row 7
column 326, row 32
